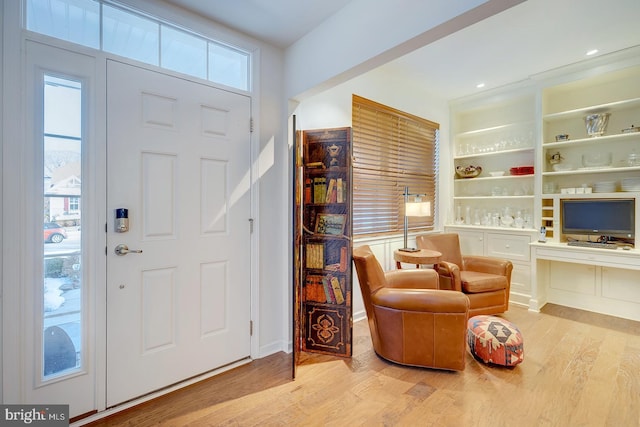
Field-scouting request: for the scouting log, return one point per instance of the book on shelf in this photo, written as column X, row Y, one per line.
column 314, row 289
column 337, row 290
column 340, row 191
column 341, row 265
column 343, row 259
column 319, row 189
column 315, row 255
column 328, row 290
column 308, row 184
column 332, row 192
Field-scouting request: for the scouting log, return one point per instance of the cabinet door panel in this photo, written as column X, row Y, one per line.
column 515, row 248
column 576, row 278
column 620, row 284
column 471, row 242
column 521, row 278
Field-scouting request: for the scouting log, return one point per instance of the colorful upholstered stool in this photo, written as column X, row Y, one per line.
column 495, row 340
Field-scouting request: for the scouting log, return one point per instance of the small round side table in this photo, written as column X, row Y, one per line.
column 423, row 256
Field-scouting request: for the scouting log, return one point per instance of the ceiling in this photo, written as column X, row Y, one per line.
column 527, row 39
column 278, row 22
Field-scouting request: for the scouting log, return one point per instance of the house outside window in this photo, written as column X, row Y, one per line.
column 74, row 204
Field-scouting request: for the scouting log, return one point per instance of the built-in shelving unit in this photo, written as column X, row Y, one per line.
column 496, row 134
column 591, row 162
column 587, row 277
column 494, row 215
column 544, row 125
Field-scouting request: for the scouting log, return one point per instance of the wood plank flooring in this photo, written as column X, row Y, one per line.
column 579, row 369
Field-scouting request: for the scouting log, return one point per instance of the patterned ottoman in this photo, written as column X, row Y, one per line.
column 495, row 340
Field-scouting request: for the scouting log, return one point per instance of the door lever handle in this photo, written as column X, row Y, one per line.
column 122, row 250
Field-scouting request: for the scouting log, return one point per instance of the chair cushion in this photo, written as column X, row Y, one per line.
column 495, row 340
column 474, row 282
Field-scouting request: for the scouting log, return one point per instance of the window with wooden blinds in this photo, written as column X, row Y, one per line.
column 391, row 150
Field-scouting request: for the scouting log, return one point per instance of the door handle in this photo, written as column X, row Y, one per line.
column 121, row 250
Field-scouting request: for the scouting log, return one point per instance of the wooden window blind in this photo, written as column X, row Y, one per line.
column 391, row 149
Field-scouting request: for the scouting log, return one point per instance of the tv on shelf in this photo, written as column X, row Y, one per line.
column 599, row 217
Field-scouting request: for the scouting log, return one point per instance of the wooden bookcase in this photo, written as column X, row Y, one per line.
column 323, row 296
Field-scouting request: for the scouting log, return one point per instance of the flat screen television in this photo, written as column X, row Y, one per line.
column 601, row 217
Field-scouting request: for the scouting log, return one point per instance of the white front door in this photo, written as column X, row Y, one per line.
column 179, row 161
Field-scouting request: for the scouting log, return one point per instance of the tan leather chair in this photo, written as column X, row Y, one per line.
column 411, row 322
column 485, row 280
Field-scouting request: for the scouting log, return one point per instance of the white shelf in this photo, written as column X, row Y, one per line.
column 492, row 228
column 578, row 112
column 493, row 197
column 492, row 129
column 494, row 178
column 494, row 153
column 591, row 171
column 616, row 195
column 594, row 140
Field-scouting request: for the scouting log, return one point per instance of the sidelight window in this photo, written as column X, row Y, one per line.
column 62, row 246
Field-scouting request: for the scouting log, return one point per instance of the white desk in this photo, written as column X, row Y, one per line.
column 601, row 280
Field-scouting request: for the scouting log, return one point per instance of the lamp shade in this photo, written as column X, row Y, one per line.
column 417, row 209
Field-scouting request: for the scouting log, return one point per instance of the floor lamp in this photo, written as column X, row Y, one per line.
column 416, row 208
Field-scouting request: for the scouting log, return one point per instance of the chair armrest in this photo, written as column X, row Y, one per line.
column 449, row 276
column 483, row 264
column 421, row 300
column 412, row 279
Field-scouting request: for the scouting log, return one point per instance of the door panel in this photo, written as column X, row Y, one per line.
column 178, row 160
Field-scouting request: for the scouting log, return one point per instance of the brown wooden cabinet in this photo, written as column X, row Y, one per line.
column 323, row 312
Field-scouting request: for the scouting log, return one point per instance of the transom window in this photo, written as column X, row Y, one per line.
column 113, row 28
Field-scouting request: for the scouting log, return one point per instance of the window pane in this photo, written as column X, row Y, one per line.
column 137, row 37
column 183, row 52
column 228, row 66
column 130, row 35
column 392, row 149
column 62, row 278
column 77, row 21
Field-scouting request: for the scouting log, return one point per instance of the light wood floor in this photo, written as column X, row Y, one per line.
column 579, row 369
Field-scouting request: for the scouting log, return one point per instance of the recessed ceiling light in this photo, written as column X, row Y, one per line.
column 480, row 85
column 592, row 52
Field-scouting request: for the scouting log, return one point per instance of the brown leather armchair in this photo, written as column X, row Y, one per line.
column 411, row 322
column 485, row 280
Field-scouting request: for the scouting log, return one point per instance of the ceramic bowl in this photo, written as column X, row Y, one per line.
column 468, row 171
